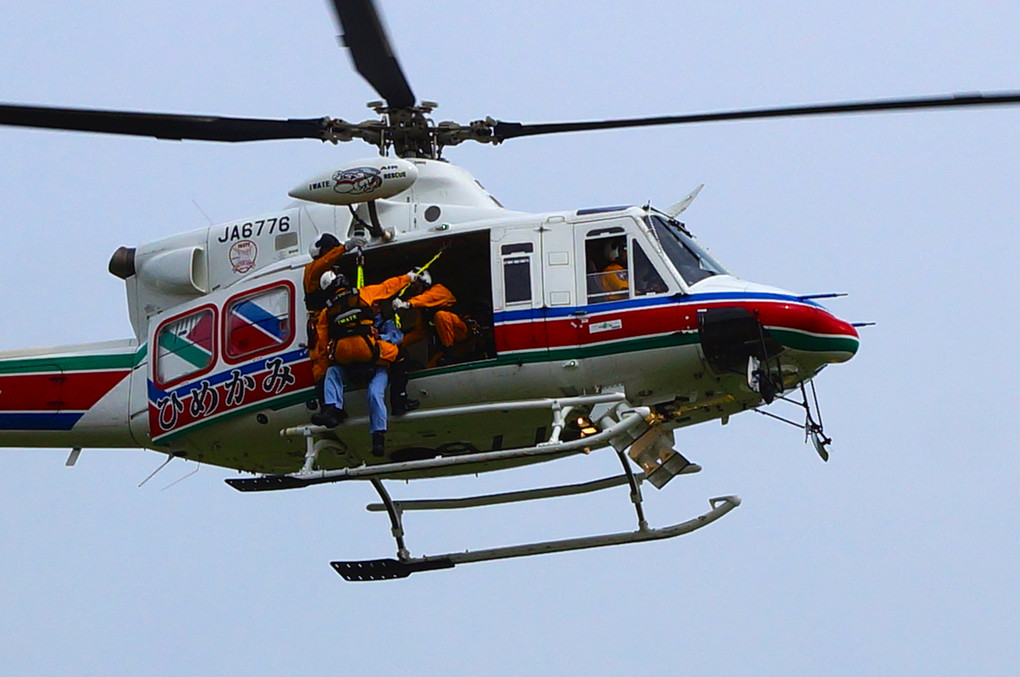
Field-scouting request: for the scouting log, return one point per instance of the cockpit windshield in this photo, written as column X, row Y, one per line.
column 689, row 258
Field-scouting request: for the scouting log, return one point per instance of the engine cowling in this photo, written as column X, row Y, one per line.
column 361, row 181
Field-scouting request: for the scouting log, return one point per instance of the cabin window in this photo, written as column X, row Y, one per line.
column 647, row 279
column 185, row 347
column 517, row 279
column 607, row 277
column 259, row 322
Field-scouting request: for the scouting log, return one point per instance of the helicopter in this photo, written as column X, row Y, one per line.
column 564, row 367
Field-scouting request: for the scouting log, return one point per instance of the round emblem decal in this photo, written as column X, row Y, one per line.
column 242, row 256
column 357, row 181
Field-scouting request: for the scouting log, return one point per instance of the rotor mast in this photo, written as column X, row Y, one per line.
column 409, row 132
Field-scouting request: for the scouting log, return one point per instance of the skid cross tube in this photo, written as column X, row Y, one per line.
column 396, row 524
column 504, row 498
column 630, row 419
column 553, row 404
column 635, row 491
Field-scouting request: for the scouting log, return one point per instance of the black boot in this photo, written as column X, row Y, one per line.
column 331, row 416
column 379, row 443
column 403, row 405
column 400, row 403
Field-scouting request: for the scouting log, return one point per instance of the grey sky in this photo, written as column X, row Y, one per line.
column 897, row 557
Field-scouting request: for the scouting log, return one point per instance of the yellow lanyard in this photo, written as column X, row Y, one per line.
column 396, row 316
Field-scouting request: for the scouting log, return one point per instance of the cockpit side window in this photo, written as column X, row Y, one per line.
column 606, row 275
column 690, row 259
column 646, row 278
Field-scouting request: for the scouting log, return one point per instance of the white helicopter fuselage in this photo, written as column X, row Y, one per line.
column 219, row 364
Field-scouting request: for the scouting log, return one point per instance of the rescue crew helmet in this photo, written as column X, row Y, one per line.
column 323, row 244
column 333, row 280
column 613, row 249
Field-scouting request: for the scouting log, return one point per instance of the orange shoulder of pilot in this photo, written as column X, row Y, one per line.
column 614, row 277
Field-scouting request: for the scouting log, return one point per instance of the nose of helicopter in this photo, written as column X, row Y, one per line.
column 802, row 325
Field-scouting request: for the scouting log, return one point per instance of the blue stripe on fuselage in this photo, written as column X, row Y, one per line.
column 633, row 304
column 39, row 421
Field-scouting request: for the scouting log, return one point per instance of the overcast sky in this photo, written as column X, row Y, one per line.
column 899, row 556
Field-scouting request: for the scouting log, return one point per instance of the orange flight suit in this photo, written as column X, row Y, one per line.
column 437, row 298
column 316, row 267
column 360, row 345
column 614, row 278
column 450, row 328
column 318, row 338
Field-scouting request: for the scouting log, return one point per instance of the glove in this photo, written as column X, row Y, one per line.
column 355, row 243
column 400, row 304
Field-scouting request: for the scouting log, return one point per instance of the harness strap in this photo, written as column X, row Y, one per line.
column 354, row 321
column 373, row 345
column 360, row 260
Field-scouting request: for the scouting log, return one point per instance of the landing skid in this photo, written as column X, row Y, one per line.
column 404, row 565
column 633, row 432
column 388, row 569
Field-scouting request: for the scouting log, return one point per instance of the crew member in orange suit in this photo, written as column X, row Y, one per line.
column 326, row 251
column 348, row 324
column 434, row 303
column 614, row 278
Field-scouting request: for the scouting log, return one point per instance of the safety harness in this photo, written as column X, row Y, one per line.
column 349, row 317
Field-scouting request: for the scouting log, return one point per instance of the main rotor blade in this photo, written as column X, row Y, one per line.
column 510, row 130
column 162, row 125
column 371, row 52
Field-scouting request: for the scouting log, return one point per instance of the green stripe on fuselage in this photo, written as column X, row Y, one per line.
column 193, row 354
column 70, row 363
column 571, row 353
column 815, row 344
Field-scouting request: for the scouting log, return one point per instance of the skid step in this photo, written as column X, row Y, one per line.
column 387, row 569
column 267, row 482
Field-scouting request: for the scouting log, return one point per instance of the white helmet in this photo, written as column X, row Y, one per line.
column 613, row 249
column 323, row 244
column 422, row 276
column 331, row 280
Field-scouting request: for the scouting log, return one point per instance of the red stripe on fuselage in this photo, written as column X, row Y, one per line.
column 56, row 391
column 800, row 318
column 639, row 322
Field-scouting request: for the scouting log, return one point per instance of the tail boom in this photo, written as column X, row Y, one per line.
column 68, row 396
